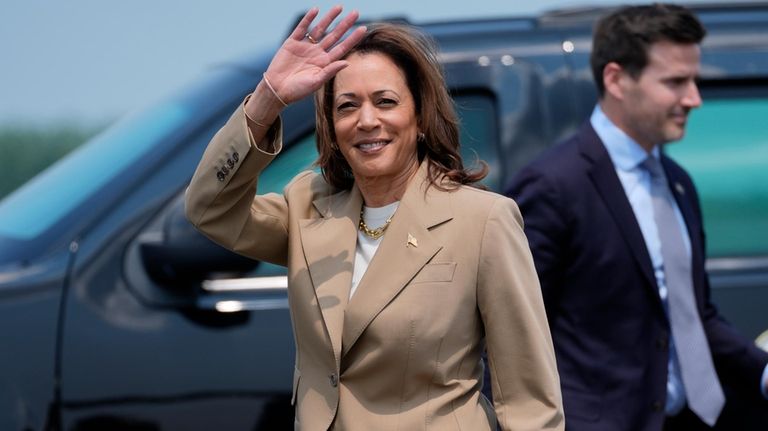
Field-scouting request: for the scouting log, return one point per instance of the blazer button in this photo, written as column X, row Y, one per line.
column 334, row 379
column 221, row 176
column 225, row 170
column 235, row 156
column 230, row 163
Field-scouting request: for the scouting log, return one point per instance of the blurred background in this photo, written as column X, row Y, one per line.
column 69, row 69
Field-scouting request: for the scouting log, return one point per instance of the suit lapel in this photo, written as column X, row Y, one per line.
column 329, row 249
column 407, row 246
column 604, row 178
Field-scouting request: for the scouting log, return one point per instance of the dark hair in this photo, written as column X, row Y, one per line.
column 415, row 54
column 626, row 35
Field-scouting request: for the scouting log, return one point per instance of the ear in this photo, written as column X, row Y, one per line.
column 614, row 77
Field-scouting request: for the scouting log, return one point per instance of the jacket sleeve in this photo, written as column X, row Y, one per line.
column 546, row 221
column 738, row 360
column 524, row 379
column 221, row 199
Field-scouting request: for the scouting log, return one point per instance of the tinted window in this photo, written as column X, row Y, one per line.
column 479, row 134
column 726, row 152
column 299, row 157
column 42, row 201
column 478, row 140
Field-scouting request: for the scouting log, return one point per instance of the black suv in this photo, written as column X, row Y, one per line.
column 116, row 315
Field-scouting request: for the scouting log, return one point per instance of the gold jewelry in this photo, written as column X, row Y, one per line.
column 311, row 39
column 248, row 116
column 373, row 233
column 272, row 89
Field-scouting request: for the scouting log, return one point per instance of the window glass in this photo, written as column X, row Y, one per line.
column 289, row 163
column 41, row 202
column 726, row 152
column 478, row 134
column 478, row 140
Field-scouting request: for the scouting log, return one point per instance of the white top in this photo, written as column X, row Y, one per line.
column 367, row 246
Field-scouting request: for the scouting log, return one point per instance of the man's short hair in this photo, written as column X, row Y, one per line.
column 625, row 36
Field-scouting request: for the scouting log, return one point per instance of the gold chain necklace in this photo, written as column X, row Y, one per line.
column 373, row 233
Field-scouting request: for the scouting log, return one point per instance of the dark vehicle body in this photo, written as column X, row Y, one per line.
column 116, row 315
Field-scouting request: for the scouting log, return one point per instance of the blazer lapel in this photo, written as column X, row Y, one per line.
column 329, row 249
column 407, row 246
column 605, row 180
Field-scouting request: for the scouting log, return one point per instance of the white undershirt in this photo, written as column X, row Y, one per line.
column 367, row 246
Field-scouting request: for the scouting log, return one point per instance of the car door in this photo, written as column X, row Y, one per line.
column 148, row 342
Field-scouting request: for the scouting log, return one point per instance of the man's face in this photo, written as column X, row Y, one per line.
column 657, row 103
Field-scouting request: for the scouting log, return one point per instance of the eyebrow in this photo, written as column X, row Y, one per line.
column 375, row 93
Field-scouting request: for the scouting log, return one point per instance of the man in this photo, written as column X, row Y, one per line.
column 616, row 233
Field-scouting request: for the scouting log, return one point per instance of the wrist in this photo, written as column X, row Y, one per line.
column 266, row 81
column 261, row 107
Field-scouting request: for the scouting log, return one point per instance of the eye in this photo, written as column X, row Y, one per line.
column 345, row 106
column 678, row 81
column 386, row 101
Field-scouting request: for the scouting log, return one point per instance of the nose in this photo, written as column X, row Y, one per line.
column 367, row 117
column 692, row 98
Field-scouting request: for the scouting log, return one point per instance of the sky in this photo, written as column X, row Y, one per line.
column 92, row 61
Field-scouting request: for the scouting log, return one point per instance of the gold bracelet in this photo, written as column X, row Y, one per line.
column 271, row 88
column 248, row 116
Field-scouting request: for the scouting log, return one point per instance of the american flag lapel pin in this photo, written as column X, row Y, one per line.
column 679, row 189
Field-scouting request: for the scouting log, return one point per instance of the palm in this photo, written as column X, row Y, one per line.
column 300, row 66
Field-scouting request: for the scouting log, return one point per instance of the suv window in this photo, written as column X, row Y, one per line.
column 477, row 114
column 478, row 133
column 725, row 150
column 478, row 140
column 39, row 204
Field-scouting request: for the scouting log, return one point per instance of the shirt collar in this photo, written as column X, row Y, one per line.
column 625, row 153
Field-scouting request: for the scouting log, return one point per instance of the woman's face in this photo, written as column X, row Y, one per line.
column 374, row 117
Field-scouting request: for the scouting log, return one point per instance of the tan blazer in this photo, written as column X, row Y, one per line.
column 452, row 273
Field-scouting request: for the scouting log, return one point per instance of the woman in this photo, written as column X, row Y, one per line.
column 399, row 272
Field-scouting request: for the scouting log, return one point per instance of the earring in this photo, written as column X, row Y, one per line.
column 421, row 137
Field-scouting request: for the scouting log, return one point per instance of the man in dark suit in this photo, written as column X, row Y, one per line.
column 616, row 233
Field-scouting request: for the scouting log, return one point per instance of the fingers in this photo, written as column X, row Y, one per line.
column 332, row 69
column 303, row 26
column 348, row 43
column 318, row 32
column 338, row 32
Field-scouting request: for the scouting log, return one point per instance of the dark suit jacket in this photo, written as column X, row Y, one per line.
column 610, row 331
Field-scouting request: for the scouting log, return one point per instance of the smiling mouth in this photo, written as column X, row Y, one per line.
column 371, row 147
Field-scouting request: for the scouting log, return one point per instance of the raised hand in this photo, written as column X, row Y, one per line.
column 310, row 56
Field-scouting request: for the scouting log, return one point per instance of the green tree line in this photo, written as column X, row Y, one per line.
column 27, row 150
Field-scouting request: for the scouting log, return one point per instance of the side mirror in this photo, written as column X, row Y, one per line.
column 183, row 256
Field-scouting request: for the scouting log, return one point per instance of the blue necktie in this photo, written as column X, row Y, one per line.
column 702, row 387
